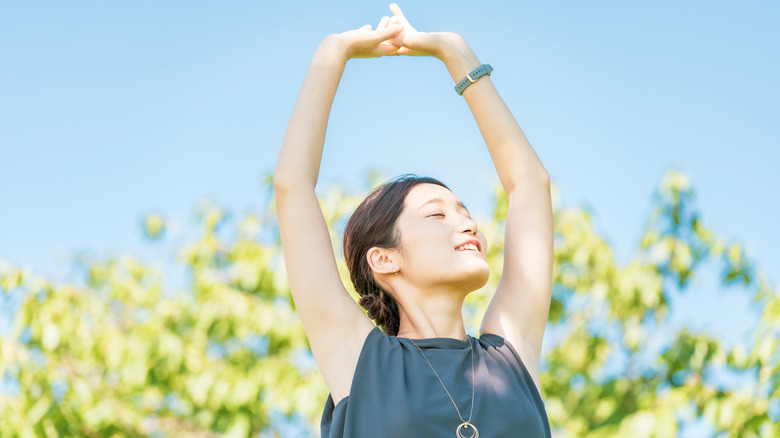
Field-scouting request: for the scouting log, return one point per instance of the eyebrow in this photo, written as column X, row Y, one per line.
column 441, row 201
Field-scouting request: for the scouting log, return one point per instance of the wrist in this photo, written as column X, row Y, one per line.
column 332, row 49
column 458, row 57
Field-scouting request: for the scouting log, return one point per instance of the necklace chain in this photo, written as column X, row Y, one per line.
column 445, row 388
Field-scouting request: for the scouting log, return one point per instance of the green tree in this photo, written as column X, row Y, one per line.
column 123, row 356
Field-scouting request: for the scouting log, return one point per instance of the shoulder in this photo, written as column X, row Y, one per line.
column 377, row 351
column 497, row 342
column 505, row 350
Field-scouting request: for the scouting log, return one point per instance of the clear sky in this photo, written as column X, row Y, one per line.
column 112, row 110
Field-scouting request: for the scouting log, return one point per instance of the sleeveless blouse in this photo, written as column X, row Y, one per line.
column 394, row 392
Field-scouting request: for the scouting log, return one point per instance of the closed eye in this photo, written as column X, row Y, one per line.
column 437, row 214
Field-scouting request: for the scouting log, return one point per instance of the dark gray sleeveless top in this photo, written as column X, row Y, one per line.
column 394, row 392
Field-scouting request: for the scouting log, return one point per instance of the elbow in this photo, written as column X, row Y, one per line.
column 290, row 174
column 544, row 177
column 281, row 185
column 539, row 178
column 537, row 172
column 279, row 189
column 278, row 181
column 284, row 184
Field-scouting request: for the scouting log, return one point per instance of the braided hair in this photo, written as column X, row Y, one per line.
column 373, row 223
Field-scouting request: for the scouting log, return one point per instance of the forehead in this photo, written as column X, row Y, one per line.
column 423, row 193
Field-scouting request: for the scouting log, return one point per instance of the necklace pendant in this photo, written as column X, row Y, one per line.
column 466, row 427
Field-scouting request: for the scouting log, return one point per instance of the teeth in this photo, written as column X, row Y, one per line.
column 468, row 246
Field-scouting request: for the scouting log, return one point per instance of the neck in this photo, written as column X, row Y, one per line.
column 430, row 314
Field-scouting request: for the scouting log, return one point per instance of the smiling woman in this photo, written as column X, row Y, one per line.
column 370, row 233
column 414, row 254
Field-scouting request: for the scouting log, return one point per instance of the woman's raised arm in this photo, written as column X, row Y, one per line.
column 334, row 324
column 520, row 306
column 299, row 160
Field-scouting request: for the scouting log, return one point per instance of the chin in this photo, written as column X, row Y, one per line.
column 478, row 278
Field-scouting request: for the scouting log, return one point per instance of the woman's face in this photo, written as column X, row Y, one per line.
column 434, row 226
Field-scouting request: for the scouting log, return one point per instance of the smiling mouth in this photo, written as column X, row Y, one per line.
column 468, row 247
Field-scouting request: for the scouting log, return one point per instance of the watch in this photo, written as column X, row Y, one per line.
column 472, row 77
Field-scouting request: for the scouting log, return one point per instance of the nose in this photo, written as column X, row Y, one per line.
column 469, row 226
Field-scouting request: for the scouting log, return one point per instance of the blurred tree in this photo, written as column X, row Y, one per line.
column 119, row 357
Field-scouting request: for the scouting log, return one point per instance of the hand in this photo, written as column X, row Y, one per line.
column 414, row 43
column 366, row 43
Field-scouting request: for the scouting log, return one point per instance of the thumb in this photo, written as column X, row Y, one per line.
column 389, row 32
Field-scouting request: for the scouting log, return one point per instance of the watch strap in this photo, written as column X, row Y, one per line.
column 472, row 77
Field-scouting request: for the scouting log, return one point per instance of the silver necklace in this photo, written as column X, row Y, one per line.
column 466, row 424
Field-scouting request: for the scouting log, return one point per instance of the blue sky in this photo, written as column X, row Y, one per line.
column 109, row 111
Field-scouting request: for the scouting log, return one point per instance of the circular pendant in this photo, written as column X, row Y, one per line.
column 466, row 426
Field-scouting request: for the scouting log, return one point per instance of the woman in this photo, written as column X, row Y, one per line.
column 414, row 253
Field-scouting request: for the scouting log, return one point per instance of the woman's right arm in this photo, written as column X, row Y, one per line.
column 299, row 160
column 334, row 324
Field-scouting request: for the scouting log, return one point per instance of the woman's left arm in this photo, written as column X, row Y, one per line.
column 519, row 309
column 520, row 306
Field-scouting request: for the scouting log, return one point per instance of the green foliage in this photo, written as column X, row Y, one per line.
column 117, row 357
column 614, row 312
column 124, row 356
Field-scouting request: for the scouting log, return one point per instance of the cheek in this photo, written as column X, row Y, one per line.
column 426, row 246
column 483, row 241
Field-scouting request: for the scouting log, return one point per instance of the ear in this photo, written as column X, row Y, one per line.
column 381, row 260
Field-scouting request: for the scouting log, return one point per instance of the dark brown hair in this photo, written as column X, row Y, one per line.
column 373, row 223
